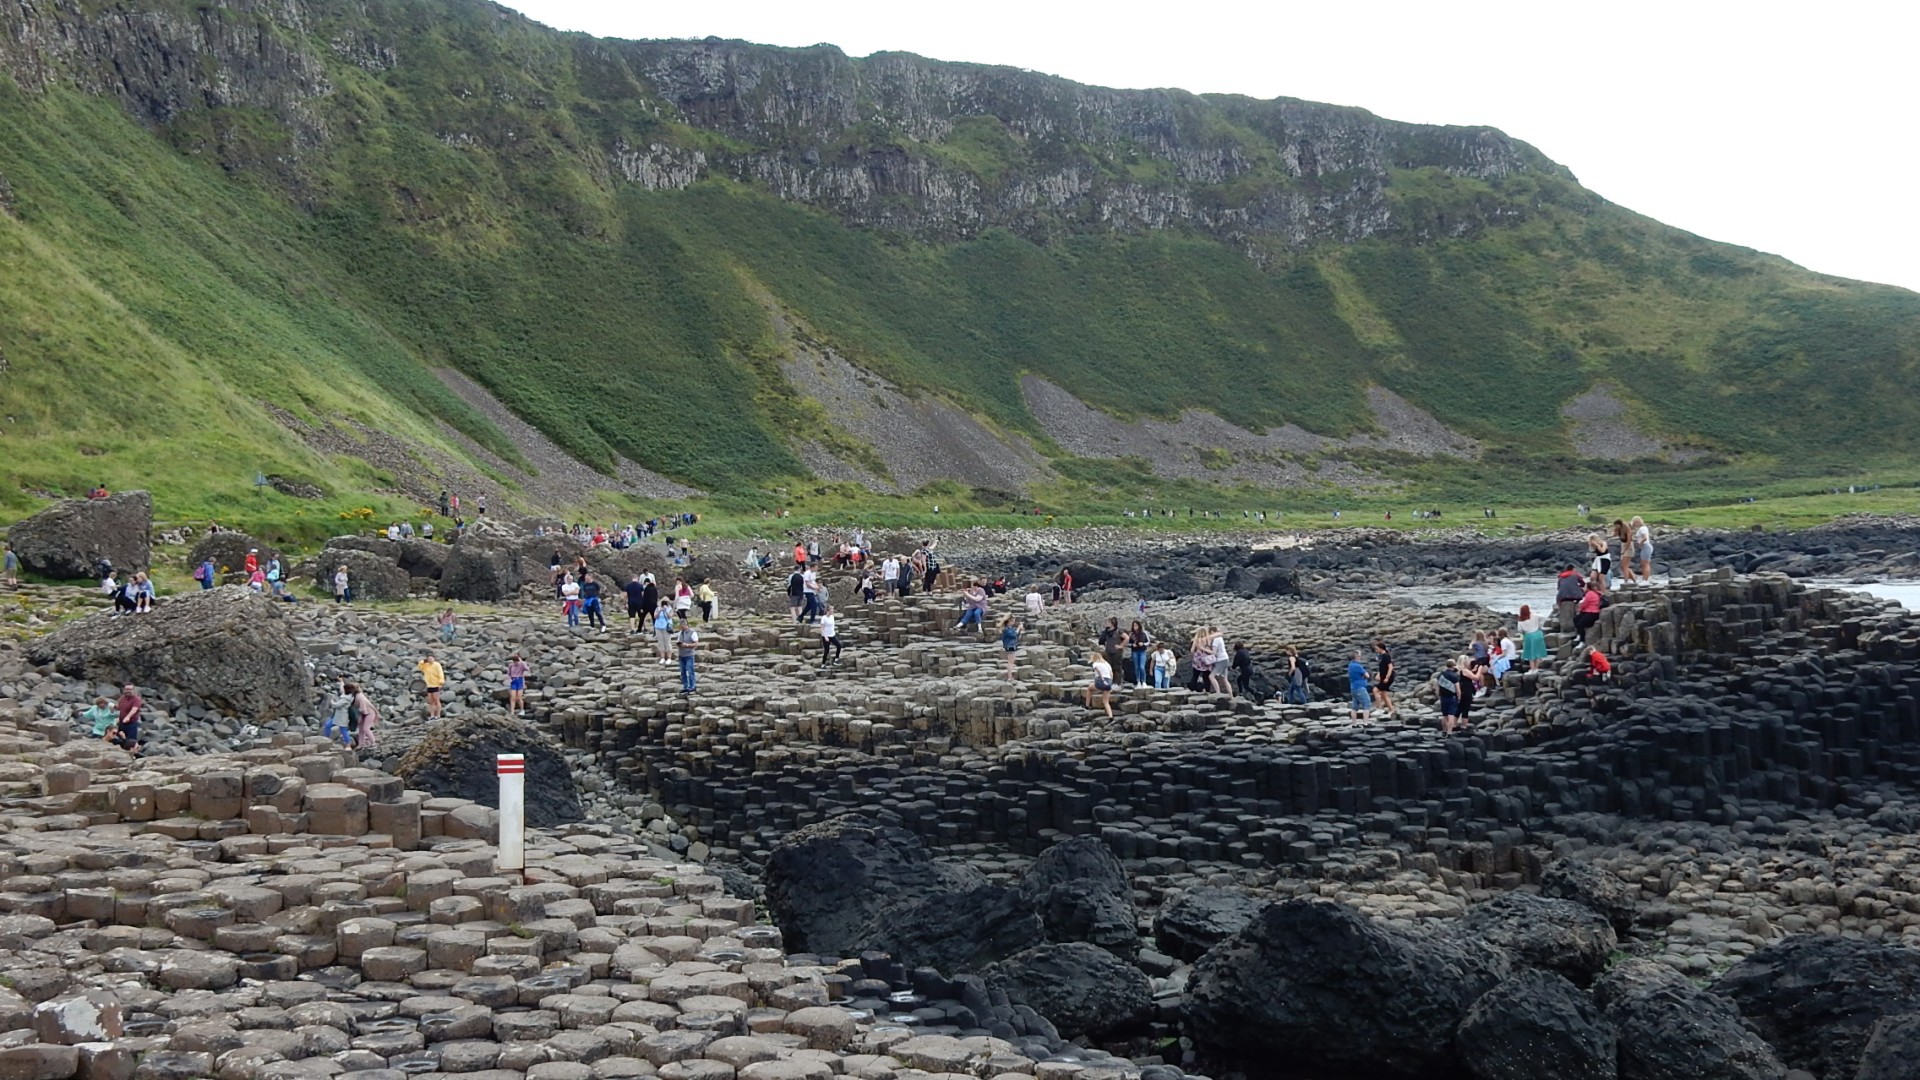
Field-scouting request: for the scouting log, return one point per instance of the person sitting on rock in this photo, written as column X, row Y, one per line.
column 973, row 608
column 1591, row 601
column 126, row 729
column 142, row 594
column 99, row 718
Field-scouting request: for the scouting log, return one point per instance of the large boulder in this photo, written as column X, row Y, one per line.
column 1081, row 989
column 1081, row 893
column 1816, row 998
column 1319, row 986
column 228, row 550
column 1591, row 887
column 68, row 539
column 1553, row 935
column 421, row 558
column 1892, row 1050
column 370, row 576
column 1534, row 1025
column 455, row 759
column 230, row 647
column 476, row 570
column 850, row 885
column 1671, row 1030
column 1201, row 917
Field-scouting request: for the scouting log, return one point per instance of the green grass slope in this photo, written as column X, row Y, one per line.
column 161, row 283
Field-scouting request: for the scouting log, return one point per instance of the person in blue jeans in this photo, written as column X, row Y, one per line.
column 1358, row 682
column 688, row 639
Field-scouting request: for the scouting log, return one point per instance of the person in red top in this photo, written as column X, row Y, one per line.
column 253, row 561
column 1589, row 612
column 1598, row 665
column 799, row 555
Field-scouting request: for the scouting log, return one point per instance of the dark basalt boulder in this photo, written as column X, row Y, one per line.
column 1081, row 893
column 851, row 885
column 1671, row 1030
column 1201, row 917
column 369, row 576
column 1816, row 998
column 1591, row 887
column 230, row 647
column 228, row 550
column 1540, row 932
column 1313, row 988
column 1893, row 1049
column 1537, row 1025
column 422, row 558
column 1081, row 989
column 67, row 540
column 483, row 572
column 455, row 759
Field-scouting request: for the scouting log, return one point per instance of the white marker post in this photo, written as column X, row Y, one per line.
column 513, row 810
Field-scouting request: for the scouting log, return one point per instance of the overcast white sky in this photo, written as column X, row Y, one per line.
column 1792, row 128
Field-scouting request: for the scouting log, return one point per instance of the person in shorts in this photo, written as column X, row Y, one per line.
column 1357, row 683
column 1010, row 628
column 1383, row 680
column 1642, row 549
column 1102, row 684
column 435, row 678
column 516, row 685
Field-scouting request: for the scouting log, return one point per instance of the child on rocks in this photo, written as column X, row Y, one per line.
column 516, row 685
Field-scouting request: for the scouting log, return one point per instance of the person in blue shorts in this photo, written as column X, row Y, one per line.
column 516, row 685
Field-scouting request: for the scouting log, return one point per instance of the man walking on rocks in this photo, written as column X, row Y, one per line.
column 636, row 591
column 688, row 640
column 435, row 678
column 829, row 639
column 1357, row 684
column 1566, row 596
column 590, row 601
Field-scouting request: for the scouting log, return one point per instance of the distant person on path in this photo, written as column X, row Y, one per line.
column 1533, row 638
column 1163, row 662
column 1383, row 680
column 435, row 678
column 365, row 736
column 12, row 568
column 342, row 587
column 1010, row 628
column 663, row 635
column 342, row 718
column 1102, row 684
column 449, row 628
column 1361, row 705
column 688, row 640
column 1642, row 549
column 516, row 685
column 829, row 638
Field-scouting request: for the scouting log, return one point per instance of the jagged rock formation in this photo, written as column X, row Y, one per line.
column 68, row 540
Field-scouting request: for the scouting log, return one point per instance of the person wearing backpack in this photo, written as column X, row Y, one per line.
column 1446, row 685
column 204, row 573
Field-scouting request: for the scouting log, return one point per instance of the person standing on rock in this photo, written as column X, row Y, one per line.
column 706, row 598
column 516, row 685
column 12, row 568
column 662, row 634
column 1446, row 685
column 368, row 719
column 932, row 565
column 688, row 640
column 1567, row 592
column 1642, row 538
column 590, row 602
column 1035, row 602
column 1102, row 684
column 342, row 586
column 1064, row 591
column 1357, row 683
column 204, row 573
column 444, row 506
column 570, row 600
column 1218, row 659
column 797, row 592
column 1138, row 642
column 1299, row 676
column 435, row 678
column 1533, row 638
column 1010, row 628
column 868, row 593
column 1602, row 561
column 253, row 561
column 1242, row 670
column 890, row 574
column 1199, row 662
column 809, row 594
column 829, row 639
column 1163, row 662
column 636, row 591
column 1383, row 680
column 682, row 599
column 342, row 718
column 649, row 599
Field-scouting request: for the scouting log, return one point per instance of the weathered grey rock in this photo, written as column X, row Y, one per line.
column 1892, row 1051
column 68, row 539
column 1553, row 935
column 1536, row 1024
column 478, row 569
column 1081, row 893
column 230, row 646
column 1816, row 998
column 1591, row 887
column 369, row 576
column 1318, row 985
column 228, row 550
column 1670, row 1030
column 455, row 759
column 1081, row 988
column 1200, row 918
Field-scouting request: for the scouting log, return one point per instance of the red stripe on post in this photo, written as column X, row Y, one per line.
column 510, row 764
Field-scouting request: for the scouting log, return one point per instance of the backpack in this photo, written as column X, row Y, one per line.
column 200, row 572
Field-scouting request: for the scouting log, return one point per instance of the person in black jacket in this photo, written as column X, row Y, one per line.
column 1242, row 670
column 636, row 591
column 590, row 601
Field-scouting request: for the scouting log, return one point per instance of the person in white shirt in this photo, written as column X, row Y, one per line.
column 829, row 638
column 1035, row 602
column 1163, row 662
column 890, row 573
column 1642, row 549
column 1102, row 684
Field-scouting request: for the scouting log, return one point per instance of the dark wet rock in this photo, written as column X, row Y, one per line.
column 851, row 884
column 1081, row 893
column 1892, row 1051
column 1241, row 582
column 1591, row 887
column 422, row 558
column 1082, row 989
column 1669, row 1029
column 1816, row 998
column 1201, row 917
column 231, row 647
column 479, row 571
column 1540, row 932
column 455, row 759
column 1319, row 986
column 68, row 539
column 1534, row 1025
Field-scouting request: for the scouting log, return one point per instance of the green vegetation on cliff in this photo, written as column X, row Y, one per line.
column 594, row 231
